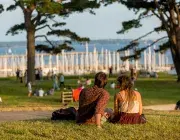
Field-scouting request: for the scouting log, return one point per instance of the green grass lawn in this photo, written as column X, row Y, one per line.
column 160, row 126
column 163, row 90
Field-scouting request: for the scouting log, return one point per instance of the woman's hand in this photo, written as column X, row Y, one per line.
column 99, row 126
column 98, row 119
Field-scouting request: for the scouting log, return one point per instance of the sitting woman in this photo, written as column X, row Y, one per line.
column 92, row 102
column 127, row 103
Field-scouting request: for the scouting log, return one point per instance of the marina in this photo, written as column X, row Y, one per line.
column 70, row 63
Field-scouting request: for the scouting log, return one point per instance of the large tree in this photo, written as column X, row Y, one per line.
column 40, row 14
column 168, row 12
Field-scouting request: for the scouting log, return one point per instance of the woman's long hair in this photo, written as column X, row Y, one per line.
column 100, row 80
column 126, row 84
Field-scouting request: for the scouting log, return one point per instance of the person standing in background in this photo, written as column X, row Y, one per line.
column 17, row 74
column 21, row 76
column 61, row 80
column 55, row 82
column 41, row 74
column 110, row 71
column 29, row 89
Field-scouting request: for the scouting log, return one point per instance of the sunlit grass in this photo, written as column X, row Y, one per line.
column 163, row 90
column 160, row 126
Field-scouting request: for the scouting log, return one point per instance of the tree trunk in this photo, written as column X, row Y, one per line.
column 31, row 56
column 176, row 60
column 30, row 29
column 175, row 51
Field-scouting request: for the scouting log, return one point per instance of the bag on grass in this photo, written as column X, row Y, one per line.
column 64, row 114
column 177, row 105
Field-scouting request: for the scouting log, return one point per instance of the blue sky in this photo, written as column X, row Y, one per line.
column 103, row 25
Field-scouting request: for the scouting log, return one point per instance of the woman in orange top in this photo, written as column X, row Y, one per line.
column 127, row 103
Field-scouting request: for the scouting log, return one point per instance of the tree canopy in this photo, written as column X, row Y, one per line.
column 48, row 14
column 143, row 9
column 41, row 14
column 168, row 12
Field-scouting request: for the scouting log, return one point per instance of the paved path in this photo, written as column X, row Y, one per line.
column 24, row 115
column 27, row 115
column 160, row 107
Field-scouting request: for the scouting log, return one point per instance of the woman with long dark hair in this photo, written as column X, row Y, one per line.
column 92, row 101
column 127, row 103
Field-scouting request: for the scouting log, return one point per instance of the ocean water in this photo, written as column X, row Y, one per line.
column 111, row 45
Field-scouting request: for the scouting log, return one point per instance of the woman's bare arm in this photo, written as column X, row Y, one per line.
column 98, row 120
column 140, row 103
column 116, row 105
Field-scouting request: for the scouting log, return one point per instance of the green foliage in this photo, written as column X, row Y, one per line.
column 164, row 47
column 42, row 22
column 137, row 51
column 48, row 6
column 42, row 6
column 12, row 7
column 67, row 33
column 145, row 9
column 42, row 47
column 63, row 47
column 159, row 29
column 1, row 8
column 139, row 4
column 59, row 24
column 47, row 10
column 79, row 6
column 129, row 46
column 131, row 57
column 127, row 25
column 16, row 29
column 54, row 50
column 68, row 41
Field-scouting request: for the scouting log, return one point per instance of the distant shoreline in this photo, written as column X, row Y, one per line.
column 92, row 40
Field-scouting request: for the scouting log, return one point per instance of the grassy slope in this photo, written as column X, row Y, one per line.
column 163, row 90
column 160, row 126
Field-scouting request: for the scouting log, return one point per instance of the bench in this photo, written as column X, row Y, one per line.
column 67, row 97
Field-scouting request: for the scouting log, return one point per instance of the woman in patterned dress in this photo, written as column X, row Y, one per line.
column 92, row 102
